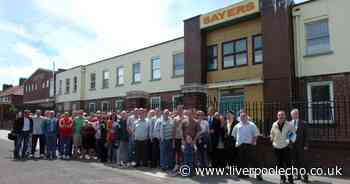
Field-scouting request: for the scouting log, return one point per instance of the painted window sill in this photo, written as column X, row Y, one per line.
column 119, row 85
column 319, row 54
column 135, row 83
column 153, row 80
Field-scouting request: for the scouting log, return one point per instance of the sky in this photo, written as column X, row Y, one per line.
column 36, row 33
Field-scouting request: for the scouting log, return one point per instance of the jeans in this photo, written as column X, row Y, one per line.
column 51, row 145
column 166, row 154
column 42, row 141
column 101, row 150
column 112, row 153
column 23, row 140
column 131, row 150
column 65, row 145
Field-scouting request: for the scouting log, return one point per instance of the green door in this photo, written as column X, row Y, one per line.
column 231, row 100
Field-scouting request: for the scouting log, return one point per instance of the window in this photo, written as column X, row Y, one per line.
column 75, row 84
column 35, row 86
column 105, row 79
column 93, row 81
column 48, row 83
column 177, row 100
column 92, row 107
column 321, row 105
column 212, row 57
column 235, row 53
column 257, row 49
column 119, row 105
column 155, row 102
column 179, row 63
column 67, row 86
column 43, row 85
column 120, row 75
column 155, row 64
column 317, row 37
column 136, row 72
column 106, row 107
column 60, row 87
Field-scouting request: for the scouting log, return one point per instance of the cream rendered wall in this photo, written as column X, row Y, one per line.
column 70, row 73
column 167, row 83
column 339, row 29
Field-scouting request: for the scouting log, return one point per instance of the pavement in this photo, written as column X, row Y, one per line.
column 78, row 172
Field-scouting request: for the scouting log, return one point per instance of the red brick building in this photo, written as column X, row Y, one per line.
column 39, row 90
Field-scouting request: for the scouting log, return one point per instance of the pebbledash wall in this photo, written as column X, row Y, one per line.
column 110, row 84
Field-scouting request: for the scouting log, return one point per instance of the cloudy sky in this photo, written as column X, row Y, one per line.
column 34, row 33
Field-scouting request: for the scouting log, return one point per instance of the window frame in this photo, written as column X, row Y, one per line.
column 155, row 69
column 152, row 98
column 306, row 39
column 105, row 82
column 234, row 53
column 257, row 49
column 94, row 104
column 75, row 84
column 60, row 85
column 92, row 81
column 108, row 106
column 174, row 65
column 173, row 100
column 209, row 58
column 117, row 103
column 134, row 73
column 310, row 102
column 118, row 83
column 67, row 86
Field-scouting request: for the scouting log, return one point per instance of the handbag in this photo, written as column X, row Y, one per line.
column 12, row 136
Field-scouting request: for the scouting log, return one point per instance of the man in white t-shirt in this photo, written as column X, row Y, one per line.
column 246, row 133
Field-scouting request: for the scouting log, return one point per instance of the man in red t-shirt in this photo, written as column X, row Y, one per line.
column 66, row 130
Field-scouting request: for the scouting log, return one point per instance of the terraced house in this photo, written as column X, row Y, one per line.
column 148, row 77
column 322, row 65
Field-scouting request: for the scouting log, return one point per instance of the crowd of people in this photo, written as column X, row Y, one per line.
column 158, row 139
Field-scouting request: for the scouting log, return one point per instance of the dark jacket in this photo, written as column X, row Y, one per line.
column 121, row 131
column 18, row 125
column 230, row 141
column 302, row 138
column 219, row 132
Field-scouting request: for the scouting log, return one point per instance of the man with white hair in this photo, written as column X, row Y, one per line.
column 300, row 145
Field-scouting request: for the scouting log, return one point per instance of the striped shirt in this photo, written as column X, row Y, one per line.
column 166, row 129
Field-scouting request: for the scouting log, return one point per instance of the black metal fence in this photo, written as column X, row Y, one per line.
column 327, row 121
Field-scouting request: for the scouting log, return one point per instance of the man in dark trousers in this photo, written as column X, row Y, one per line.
column 22, row 127
column 300, row 146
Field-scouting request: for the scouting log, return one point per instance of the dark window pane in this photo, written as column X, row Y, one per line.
column 320, row 93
